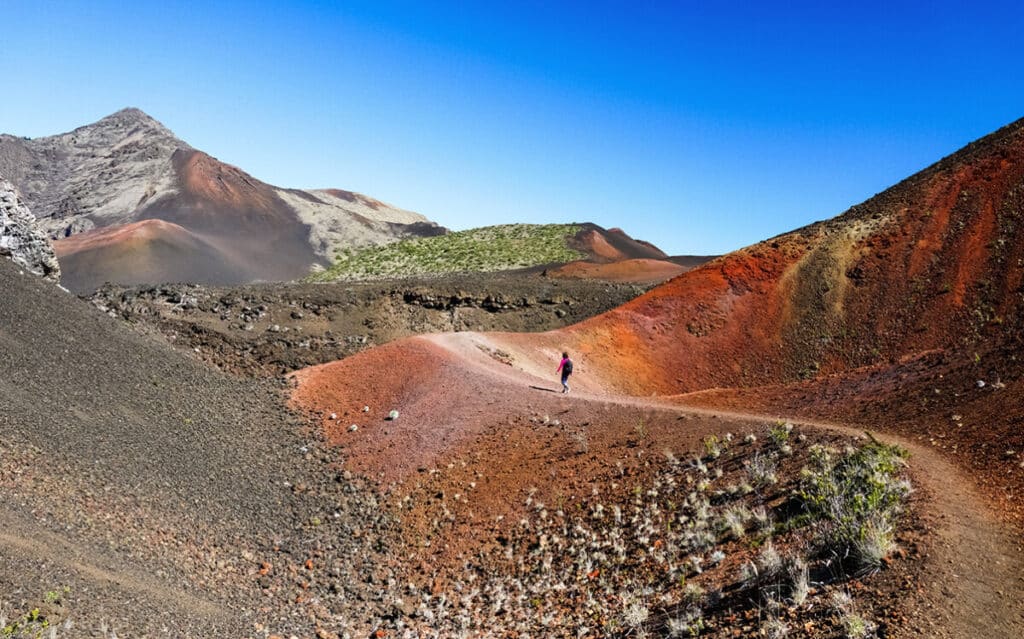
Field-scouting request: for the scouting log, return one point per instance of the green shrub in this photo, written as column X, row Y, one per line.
column 713, row 446
column 778, row 433
column 859, row 495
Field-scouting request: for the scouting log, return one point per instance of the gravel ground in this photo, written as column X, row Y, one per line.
column 171, row 499
column 268, row 329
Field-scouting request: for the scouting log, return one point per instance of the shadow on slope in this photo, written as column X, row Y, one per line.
column 148, row 251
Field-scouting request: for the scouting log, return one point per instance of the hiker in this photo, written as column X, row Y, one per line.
column 566, row 367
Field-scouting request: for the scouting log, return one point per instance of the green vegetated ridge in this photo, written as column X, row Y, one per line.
column 489, row 248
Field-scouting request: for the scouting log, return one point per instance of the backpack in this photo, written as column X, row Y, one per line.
column 567, row 369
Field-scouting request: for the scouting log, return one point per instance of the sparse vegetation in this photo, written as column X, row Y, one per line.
column 654, row 556
column 491, row 248
column 39, row 621
column 713, row 446
column 778, row 433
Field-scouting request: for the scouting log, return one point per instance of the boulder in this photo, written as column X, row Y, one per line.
column 20, row 239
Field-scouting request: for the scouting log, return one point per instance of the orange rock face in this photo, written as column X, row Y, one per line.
column 936, row 262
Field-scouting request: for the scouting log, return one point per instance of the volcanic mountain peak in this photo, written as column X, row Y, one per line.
column 94, row 176
column 129, row 167
column 127, row 122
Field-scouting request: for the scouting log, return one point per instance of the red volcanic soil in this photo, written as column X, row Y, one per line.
column 442, row 401
column 612, row 245
column 481, row 428
column 147, row 251
column 641, row 271
column 885, row 317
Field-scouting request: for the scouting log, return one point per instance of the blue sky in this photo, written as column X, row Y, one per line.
column 701, row 127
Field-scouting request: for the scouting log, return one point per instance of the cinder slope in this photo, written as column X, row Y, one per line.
column 638, row 270
column 145, row 252
column 935, row 262
column 128, row 167
column 612, row 245
column 149, row 484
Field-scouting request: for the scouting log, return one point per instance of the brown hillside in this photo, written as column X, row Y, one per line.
column 612, row 245
column 242, row 215
column 147, row 251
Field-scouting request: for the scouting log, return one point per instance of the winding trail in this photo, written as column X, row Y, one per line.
column 451, row 385
column 976, row 570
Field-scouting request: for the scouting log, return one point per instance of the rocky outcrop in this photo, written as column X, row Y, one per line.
column 20, row 240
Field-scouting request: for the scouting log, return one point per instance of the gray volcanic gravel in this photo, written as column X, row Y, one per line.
column 172, row 499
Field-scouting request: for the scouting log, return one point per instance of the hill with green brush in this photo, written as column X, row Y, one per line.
column 490, row 248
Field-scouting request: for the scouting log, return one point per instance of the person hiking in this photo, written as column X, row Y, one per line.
column 566, row 367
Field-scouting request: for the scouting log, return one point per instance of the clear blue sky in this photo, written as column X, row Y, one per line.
column 700, row 126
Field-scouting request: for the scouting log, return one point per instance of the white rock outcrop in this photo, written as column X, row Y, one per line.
column 20, row 239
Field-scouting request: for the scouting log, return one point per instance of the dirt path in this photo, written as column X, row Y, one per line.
column 974, row 569
column 451, row 388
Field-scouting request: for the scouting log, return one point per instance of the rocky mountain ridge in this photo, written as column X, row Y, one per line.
column 86, row 185
column 97, row 175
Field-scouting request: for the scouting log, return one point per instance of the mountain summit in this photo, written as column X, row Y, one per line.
column 129, row 202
